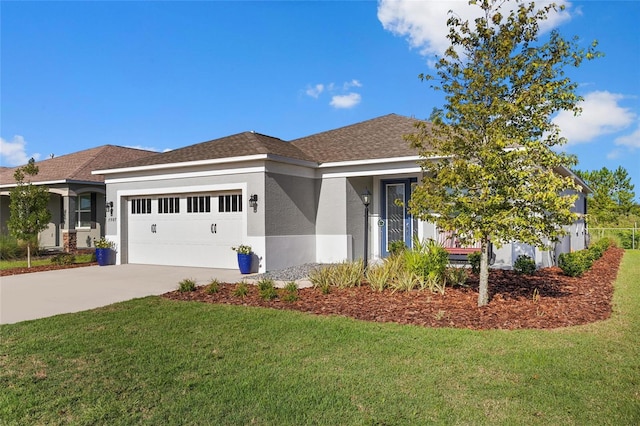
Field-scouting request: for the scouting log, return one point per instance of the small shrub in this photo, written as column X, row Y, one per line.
column 379, row 276
column 267, row 289
column 322, row 278
column 10, row 249
column 348, row 274
column 213, row 287
column 576, row 263
column 397, row 247
column 474, row 261
column 627, row 240
column 291, row 287
column 406, row 280
column 428, row 260
column 63, row 259
column 290, row 292
column 186, row 285
column 241, row 290
column 524, row 265
column 456, row 276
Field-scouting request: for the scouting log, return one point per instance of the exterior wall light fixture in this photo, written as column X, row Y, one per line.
column 253, row 202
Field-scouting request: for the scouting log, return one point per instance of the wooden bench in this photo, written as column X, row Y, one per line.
column 460, row 255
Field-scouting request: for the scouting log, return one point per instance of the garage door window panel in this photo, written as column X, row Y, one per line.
column 169, row 205
column 230, row 203
column 141, row 206
column 199, row 204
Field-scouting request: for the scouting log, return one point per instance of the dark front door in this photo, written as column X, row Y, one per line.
column 397, row 223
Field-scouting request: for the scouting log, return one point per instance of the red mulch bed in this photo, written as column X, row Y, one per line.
column 561, row 301
column 52, row 267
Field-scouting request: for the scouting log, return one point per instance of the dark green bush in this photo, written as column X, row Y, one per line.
column 267, row 289
column 290, row 292
column 213, row 287
column 12, row 249
column 474, row 261
column 595, row 251
column 576, row 263
column 524, row 265
column 187, row 285
column 63, row 259
column 9, row 248
column 241, row 290
column 627, row 239
column 396, row 247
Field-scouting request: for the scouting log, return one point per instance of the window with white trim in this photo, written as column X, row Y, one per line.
column 83, row 211
column 199, row 204
column 230, row 203
column 169, row 205
column 141, row 206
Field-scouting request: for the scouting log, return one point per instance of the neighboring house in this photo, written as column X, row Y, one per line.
column 294, row 202
column 76, row 197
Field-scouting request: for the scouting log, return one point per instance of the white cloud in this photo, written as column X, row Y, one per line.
column 345, row 101
column 341, row 95
column 14, row 152
column 349, row 84
column 601, row 115
column 631, row 141
column 424, row 23
column 315, row 91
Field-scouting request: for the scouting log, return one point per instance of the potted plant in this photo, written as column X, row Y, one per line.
column 244, row 258
column 103, row 251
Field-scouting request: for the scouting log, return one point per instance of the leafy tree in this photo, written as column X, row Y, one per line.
column 497, row 178
column 28, row 207
column 613, row 195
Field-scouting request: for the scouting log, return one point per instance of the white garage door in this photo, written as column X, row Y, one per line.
column 185, row 229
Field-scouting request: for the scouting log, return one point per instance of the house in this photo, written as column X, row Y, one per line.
column 294, row 202
column 76, row 197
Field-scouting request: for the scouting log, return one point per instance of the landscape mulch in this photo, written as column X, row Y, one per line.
column 548, row 299
column 41, row 268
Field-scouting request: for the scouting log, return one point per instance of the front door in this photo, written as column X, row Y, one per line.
column 397, row 223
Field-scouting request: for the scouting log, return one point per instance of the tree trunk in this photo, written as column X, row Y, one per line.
column 483, row 291
column 28, row 255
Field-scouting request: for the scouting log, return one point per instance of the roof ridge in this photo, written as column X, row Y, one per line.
column 293, row 141
column 91, row 158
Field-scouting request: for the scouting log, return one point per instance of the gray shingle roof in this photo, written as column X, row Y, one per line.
column 78, row 165
column 238, row 145
column 377, row 138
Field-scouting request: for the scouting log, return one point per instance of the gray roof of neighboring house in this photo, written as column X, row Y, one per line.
column 77, row 167
column 372, row 139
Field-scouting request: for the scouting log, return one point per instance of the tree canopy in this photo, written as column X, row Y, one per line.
column 28, row 207
column 496, row 175
column 613, row 195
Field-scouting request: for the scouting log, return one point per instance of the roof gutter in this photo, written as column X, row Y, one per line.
column 210, row 162
column 56, row 182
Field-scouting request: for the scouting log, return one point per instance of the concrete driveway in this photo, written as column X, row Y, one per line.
column 44, row 294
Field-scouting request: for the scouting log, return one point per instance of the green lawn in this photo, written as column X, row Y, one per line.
column 36, row 261
column 154, row 361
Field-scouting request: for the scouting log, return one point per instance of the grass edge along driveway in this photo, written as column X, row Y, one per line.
column 154, row 361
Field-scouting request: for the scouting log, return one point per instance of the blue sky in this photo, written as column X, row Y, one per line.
column 162, row 75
